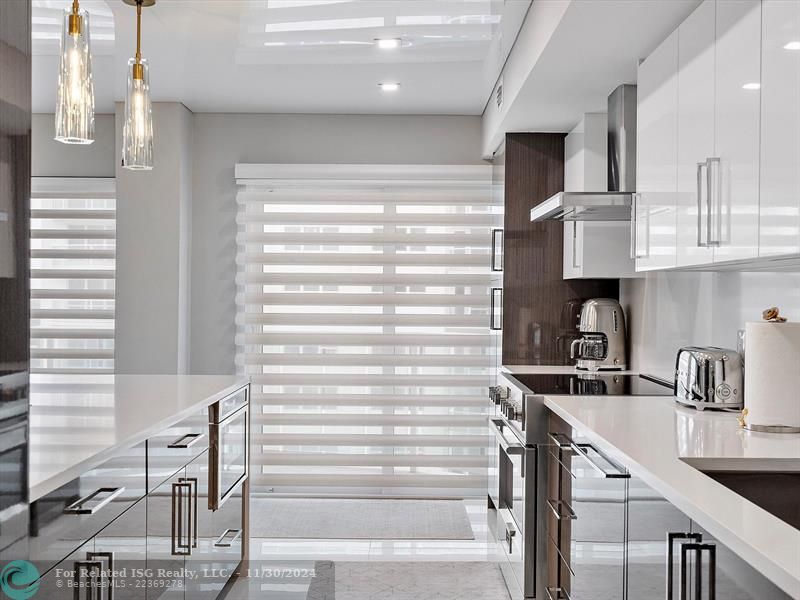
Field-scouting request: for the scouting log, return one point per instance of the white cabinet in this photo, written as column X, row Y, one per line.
column 654, row 231
column 699, row 129
column 695, row 134
column 735, row 194
column 780, row 128
column 592, row 249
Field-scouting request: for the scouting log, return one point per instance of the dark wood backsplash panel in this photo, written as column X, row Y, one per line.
column 15, row 144
column 539, row 307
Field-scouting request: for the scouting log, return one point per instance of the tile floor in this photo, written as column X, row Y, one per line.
column 376, row 570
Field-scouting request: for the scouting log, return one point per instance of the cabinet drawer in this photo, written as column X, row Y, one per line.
column 589, row 571
column 175, row 447
column 588, row 506
column 76, row 569
column 69, row 516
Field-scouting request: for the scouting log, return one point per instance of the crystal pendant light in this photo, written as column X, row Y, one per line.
column 75, row 105
column 137, row 132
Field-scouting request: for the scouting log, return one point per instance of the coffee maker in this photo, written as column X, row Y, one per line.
column 602, row 343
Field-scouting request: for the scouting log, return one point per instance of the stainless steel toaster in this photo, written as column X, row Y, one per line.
column 709, row 377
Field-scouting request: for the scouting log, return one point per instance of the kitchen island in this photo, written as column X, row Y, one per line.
column 135, row 476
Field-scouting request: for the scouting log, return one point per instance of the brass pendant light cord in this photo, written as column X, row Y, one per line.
column 138, row 31
column 138, row 69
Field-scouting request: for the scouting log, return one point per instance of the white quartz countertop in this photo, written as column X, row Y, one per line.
column 79, row 421
column 661, row 443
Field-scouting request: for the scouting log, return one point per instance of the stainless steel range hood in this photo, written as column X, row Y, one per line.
column 614, row 204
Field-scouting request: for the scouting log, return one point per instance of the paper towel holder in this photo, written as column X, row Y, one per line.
column 764, row 428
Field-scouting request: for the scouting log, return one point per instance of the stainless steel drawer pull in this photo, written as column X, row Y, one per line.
column 557, row 505
column 78, row 508
column 187, row 441
column 617, row 471
column 557, row 593
column 221, row 543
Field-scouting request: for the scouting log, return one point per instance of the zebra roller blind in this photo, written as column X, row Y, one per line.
column 362, row 318
column 73, row 245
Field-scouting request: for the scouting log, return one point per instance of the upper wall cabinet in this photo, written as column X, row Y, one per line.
column 718, row 132
column 780, row 128
column 592, row 249
column 653, row 232
column 733, row 139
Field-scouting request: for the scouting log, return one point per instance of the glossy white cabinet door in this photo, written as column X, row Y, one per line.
column 695, row 132
column 654, row 236
column 780, row 128
column 735, row 191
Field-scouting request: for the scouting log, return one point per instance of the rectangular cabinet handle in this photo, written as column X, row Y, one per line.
column 700, row 242
column 78, row 507
column 714, row 201
column 495, row 267
column 492, row 321
column 697, row 549
column 673, row 537
column 187, row 441
column 92, row 571
column 180, row 491
column 220, row 543
column 108, row 571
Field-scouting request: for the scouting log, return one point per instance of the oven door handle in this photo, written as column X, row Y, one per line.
column 508, row 448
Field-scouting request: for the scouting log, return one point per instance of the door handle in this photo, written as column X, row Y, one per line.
column 698, row 549
column 673, row 537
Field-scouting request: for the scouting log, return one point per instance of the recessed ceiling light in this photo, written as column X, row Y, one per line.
column 389, row 43
column 792, row 46
column 274, row 43
column 389, row 87
column 752, row 86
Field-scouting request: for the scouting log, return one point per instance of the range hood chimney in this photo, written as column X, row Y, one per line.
column 614, row 204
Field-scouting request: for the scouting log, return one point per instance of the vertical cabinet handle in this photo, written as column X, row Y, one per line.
column 497, row 234
column 673, row 537
column 181, row 491
column 714, row 201
column 492, row 320
column 575, row 263
column 701, row 243
column 193, row 505
column 108, row 557
column 697, row 549
column 635, row 240
column 91, row 571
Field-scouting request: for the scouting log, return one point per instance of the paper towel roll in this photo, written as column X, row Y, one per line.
column 772, row 374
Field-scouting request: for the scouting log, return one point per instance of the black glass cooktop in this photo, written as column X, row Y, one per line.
column 594, row 384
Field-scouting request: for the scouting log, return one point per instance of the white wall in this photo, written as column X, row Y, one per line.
column 669, row 310
column 222, row 140
column 50, row 158
column 153, row 250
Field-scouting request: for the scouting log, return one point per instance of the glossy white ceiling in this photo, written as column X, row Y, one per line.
column 294, row 56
